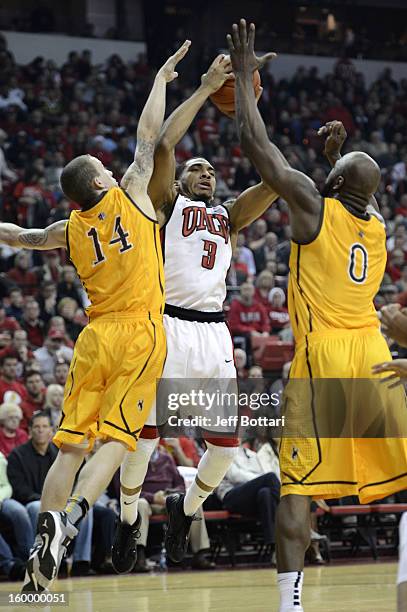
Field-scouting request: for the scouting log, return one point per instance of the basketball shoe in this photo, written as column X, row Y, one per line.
column 124, row 549
column 55, row 531
column 179, row 525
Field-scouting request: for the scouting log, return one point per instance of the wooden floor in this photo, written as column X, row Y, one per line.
column 368, row 587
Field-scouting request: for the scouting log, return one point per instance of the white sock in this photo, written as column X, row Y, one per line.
column 211, row 469
column 290, row 586
column 132, row 473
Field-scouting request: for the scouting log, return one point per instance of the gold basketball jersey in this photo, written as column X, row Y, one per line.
column 334, row 279
column 116, row 251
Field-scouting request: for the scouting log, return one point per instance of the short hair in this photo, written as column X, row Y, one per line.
column 40, row 414
column 76, row 180
column 31, row 373
column 9, row 355
column 9, row 409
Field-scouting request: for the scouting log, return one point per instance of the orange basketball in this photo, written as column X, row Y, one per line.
column 224, row 98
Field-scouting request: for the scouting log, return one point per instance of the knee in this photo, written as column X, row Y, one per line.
column 264, row 495
column 293, row 518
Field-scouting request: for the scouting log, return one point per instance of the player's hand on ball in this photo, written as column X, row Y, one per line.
column 218, row 73
column 398, row 367
column 335, row 136
column 168, row 70
column 241, row 47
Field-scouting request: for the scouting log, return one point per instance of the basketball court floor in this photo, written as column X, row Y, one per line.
column 365, row 587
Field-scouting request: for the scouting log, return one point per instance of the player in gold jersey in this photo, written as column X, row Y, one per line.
column 338, row 257
column 113, row 242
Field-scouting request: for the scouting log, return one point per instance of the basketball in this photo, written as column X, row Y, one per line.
column 224, row 98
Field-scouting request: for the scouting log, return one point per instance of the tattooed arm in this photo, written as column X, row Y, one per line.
column 138, row 175
column 52, row 237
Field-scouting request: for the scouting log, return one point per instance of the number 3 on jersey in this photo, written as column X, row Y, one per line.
column 119, row 235
column 208, row 260
column 358, row 260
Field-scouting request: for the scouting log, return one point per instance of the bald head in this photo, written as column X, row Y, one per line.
column 355, row 174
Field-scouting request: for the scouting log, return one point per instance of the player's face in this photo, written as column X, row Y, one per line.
column 198, row 179
column 105, row 179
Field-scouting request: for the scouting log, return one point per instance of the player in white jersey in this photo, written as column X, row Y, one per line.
column 198, row 238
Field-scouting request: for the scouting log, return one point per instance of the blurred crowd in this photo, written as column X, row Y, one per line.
column 48, row 115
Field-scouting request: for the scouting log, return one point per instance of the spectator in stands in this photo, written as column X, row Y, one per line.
column 53, row 350
column 21, row 274
column 61, row 372
column 7, row 322
column 246, row 255
column 52, row 269
column 163, row 478
column 28, row 465
column 15, row 514
column 57, row 323
column 67, row 287
column 33, row 324
column 240, row 362
column 396, row 263
column 35, row 399
column 67, row 309
column 6, row 341
column 47, row 301
column 261, row 253
column 11, row 435
column 15, row 309
column 20, row 348
column 248, row 490
column 247, row 318
column 8, row 379
column 258, row 232
column 264, row 284
column 278, row 313
column 183, row 450
column 54, row 398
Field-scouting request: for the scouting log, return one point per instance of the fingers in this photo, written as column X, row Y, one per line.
column 382, row 367
column 182, row 51
column 243, row 32
column 252, row 33
column 236, row 37
column 230, row 43
column 268, row 57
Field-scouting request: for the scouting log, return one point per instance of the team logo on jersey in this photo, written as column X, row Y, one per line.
column 197, row 218
column 140, row 405
column 101, row 216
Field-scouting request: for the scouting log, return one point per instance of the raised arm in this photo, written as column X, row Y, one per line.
column 296, row 188
column 161, row 187
column 52, row 237
column 138, row 175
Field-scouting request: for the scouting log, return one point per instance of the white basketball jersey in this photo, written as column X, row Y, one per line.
column 197, row 254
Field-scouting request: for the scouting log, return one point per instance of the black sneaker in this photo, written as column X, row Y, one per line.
column 55, row 531
column 124, row 549
column 176, row 536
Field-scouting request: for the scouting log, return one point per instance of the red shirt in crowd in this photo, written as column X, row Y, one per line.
column 7, row 444
column 10, row 323
column 29, row 406
column 15, row 386
column 245, row 319
column 278, row 316
column 264, row 300
column 26, row 280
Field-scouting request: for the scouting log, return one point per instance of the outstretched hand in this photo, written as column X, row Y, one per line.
column 168, row 69
column 241, row 48
column 399, row 369
column 335, row 134
column 218, row 73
